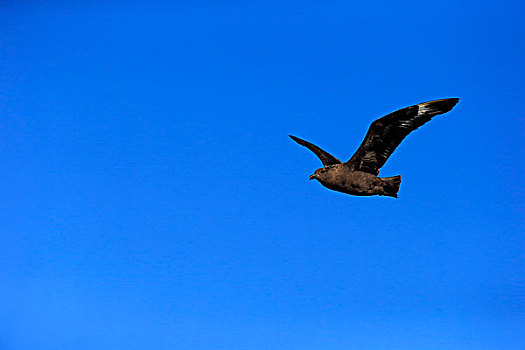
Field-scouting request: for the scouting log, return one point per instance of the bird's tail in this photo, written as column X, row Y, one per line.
column 391, row 185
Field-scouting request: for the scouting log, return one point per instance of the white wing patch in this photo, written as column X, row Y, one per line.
column 423, row 109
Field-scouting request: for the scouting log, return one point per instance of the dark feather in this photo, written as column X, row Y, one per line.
column 324, row 156
column 386, row 133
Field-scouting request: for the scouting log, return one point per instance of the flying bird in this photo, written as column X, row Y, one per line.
column 358, row 176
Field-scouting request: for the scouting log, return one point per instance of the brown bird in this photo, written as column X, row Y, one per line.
column 358, row 176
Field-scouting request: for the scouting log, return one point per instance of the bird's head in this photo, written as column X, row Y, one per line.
column 320, row 174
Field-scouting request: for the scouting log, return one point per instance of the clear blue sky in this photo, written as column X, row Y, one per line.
column 151, row 198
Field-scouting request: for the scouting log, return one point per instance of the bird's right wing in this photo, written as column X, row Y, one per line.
column 386, row 133
column 324, row 156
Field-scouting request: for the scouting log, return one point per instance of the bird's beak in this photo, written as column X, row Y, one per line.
column 313, row 176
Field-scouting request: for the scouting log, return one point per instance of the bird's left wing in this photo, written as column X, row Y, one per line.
column 386, row 133
column 324, row 156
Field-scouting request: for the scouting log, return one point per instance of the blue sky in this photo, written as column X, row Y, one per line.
column 151, row 198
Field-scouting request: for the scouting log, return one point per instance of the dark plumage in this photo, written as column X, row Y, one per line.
column 358, row 176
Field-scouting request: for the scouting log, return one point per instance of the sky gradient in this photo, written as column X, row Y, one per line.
column 151, row 198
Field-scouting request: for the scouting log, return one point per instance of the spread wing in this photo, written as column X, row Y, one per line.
column 386, row 133
column 325, row 157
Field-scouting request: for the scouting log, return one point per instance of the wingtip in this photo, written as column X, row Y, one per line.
column 453, row 101
column 437, row 106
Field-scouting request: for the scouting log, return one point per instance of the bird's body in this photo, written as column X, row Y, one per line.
column 358, row 176
column 358, row 183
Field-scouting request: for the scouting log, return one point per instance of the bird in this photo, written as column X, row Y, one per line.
column 359, row 175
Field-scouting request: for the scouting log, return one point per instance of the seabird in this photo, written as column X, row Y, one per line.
column 358, row 176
